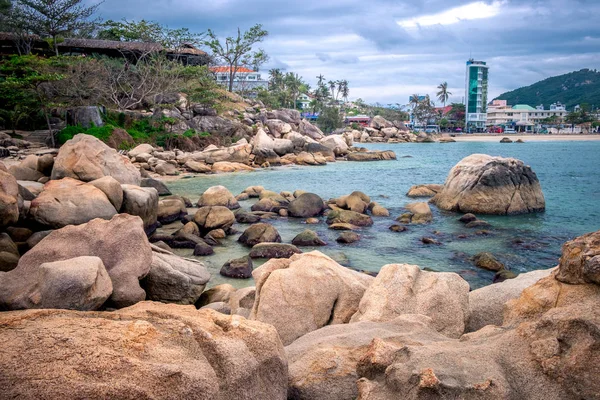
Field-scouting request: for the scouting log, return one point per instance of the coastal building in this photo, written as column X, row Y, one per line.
column 245, row 80
column 303, row 101
column 476, row 88
column 499, row 113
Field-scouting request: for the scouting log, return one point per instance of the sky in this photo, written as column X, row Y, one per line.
column 391, row 49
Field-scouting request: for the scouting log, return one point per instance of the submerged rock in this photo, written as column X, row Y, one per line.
column 239, row 268
column 273, row 250
column 487, row 261
column 259, row 233
column 308, row 238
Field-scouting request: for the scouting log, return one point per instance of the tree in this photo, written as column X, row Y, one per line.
column 424, row 111
column 330, row 119
column 443, row 94
column 237, row 51
column 56, row 18
column 149, row 32
column 345, row 90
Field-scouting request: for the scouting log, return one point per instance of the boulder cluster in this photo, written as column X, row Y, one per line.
column 278, row 137
column 312, row 329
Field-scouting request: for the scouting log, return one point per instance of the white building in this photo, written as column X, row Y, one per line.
column 476, row 91
column 500, row 113
column 245, row 79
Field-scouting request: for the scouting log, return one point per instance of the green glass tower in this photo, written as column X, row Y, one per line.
column 476, row 95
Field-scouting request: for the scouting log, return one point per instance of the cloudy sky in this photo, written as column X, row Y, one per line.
column 390, row 49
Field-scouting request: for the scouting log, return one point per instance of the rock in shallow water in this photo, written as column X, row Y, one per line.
column 483, row 184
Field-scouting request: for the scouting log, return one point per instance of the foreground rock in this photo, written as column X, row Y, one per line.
column 406, row 289
column 580, row 261
column 120, row 243
column 86, row 158
column 486, row 304
column 325, row 364
column 306, row 205
column 150, row 350
column 306, row 292
column 484, row 184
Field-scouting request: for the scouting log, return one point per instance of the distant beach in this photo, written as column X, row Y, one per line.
column 526, row 138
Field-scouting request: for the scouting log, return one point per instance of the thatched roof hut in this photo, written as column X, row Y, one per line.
column 187, row 54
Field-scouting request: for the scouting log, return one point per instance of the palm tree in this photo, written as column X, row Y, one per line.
column 332, row 85
column 321, row 79
column 414, row 100
column 345, row 90
column 443, row 94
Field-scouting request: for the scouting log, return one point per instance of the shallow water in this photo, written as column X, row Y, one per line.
column 569, row 173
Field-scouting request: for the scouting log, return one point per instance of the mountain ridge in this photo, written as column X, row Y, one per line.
column 570, row 89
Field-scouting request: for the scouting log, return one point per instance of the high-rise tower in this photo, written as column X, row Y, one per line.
column 476, row 96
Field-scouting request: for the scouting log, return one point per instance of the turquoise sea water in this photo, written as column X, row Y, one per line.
column 569, row 173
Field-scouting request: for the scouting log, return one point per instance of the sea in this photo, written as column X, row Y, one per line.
column 569, row 173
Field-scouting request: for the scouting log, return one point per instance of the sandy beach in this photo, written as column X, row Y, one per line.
column 526, row 138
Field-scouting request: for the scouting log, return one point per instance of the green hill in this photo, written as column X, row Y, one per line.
column 570, row 89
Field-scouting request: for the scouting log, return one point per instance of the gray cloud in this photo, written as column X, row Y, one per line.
column 523, row 41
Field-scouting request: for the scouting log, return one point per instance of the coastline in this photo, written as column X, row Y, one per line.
column 526, row 138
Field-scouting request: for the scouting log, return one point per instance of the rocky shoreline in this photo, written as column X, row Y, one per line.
column 96, row 305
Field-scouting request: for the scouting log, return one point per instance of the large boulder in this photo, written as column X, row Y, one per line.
column 150, row 350
column 487, row 303
column 141, row 202
column 259, row 233
column 173, row 279
column 218, row 196
column 9, row 199
column 70, row 202
column 86, row 158
column 306, row 205
column 306, row 292
column 325, row 364
column 214, row 217
column 405, row 289
column 484, row 184
column 120, row 243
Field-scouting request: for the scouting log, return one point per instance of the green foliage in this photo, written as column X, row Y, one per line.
column 330, row 119
column 53, row 19
column 570, row 89
column 103, row 132
column 148, row 32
